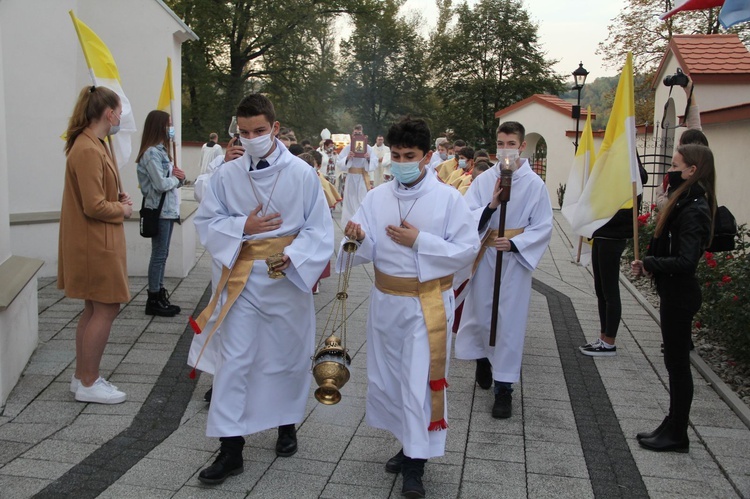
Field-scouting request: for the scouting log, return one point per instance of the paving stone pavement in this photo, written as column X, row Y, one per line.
column 572, row 433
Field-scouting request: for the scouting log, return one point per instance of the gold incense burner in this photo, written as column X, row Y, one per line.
column 330, row 364
column 331, row 371
column 273, row 261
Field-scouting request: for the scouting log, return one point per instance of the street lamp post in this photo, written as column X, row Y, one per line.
column 579, row 75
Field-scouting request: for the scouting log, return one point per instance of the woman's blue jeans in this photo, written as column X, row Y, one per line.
column 159, row 254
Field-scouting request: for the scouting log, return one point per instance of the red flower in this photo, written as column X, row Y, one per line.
column 698, row 325
column 708, row 284
column 643, row 219
column 708, row 255
column 726, row 279
column 711, row 263
column 653, row 206
column 729, row 256
column 735, row 298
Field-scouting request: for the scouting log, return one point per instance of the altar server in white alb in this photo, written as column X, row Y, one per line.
column 528, row 228
column 357, row 171
column 417, row 232
column 265, row 204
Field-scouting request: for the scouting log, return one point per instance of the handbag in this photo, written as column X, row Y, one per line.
column 725, row 231
column 149, row 220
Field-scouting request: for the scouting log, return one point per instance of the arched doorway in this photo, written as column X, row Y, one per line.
column 536, row 148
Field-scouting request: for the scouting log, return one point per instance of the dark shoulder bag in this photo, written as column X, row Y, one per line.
column 725, row 231
column 150, row 218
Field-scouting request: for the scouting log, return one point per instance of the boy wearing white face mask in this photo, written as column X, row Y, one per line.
column 528, row 228
column 417, row 232
column 261, row 205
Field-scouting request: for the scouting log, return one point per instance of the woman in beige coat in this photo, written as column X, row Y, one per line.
column 92, row 260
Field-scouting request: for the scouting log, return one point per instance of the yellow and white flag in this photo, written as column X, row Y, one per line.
column 104, row 73
column 579, row 175
column 166, row 97
column 610, row 184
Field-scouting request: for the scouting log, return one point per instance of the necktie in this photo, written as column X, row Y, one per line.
column 261, row 164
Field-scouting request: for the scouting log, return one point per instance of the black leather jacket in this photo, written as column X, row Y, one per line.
column 678, row 250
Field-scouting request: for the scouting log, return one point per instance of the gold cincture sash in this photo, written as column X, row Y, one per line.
column 365, row 175
column 433, row 309
column 234, row 281
column 489, row 242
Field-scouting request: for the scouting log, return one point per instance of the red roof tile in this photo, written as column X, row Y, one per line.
column 708, row 57
column 549, row 101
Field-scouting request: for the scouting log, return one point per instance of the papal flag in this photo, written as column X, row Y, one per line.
column 579, row 175
column 104, row 73
column 167, row 90
column 685, row 5
column 610, row 184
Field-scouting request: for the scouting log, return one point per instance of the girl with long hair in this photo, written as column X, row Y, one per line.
column 159, row 179
column 92, row 256
column 682, row 234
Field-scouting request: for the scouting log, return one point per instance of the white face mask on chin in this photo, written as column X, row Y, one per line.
column 259, row 146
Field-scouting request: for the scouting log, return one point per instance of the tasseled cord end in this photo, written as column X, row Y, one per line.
column 194, row 325
column 442, row 424
column 438, row 384
column 192, row 374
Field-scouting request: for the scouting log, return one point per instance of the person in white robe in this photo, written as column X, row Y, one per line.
column 383, row 153
column 357, row 177
column 210, row 151
column 265, row 204
column 528, row 229
column 417, row 232
column 208, row 359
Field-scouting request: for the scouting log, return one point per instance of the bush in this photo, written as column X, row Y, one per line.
column 725, row 277
column 561, row 194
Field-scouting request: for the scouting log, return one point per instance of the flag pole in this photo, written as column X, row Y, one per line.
column 636, row 248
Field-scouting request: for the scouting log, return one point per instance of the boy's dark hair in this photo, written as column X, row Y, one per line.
column 358, row 128
column 305, row 143
column 458, row 144
column 692, row 136
column 482, row 153
column 409, row 132
column 482, row 165
column 318, row 157
column 307, row 158
column 296, row 149
column 256, row 105
column 512, row 127
column 466, row 152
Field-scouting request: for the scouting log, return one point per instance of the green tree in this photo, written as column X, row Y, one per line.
column 242, row 44
column 385, row 71
column 489, row 60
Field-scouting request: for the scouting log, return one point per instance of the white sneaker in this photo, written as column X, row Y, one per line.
column 75, row 383
column 101, row 392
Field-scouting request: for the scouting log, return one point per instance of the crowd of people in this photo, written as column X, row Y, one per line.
column 428, row 220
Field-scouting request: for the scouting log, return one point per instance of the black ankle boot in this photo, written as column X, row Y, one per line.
column 670, row 439
column 165, row 298
column 393, row 465
column 229, row 462
column 412, row 470
column 484, row 373
column 156, row 306
column 654, row 433
column 286, row 444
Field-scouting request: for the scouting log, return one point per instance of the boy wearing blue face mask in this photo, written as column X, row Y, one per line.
column 465, row 165
column 528, row 228
column 418, row 233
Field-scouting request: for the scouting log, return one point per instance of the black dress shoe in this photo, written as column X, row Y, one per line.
column 667, row 440
column 227, row 464
column 484, row 373
column 208, row 394
column 412, row 471
column 651, row 434
column 286, row 444
column 503, row 407
column 394, row 464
